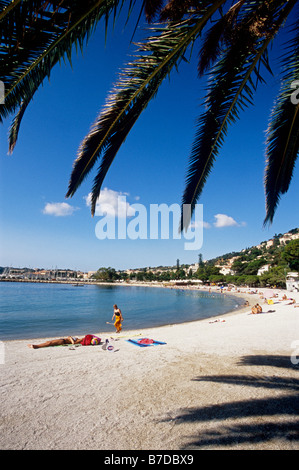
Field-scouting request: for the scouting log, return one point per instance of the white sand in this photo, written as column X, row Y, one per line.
column 230, row 384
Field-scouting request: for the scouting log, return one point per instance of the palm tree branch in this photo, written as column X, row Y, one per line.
column 282, row 155
column 290, row 133
column 53, row 46
column 117, row 138
column 282, row 143
column 142, row 73
column 229, row 111
column 216, row 35
column 229, row 116
column 8, row 8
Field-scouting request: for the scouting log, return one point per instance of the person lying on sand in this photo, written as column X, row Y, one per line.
column 87, row 340
column 56, row 342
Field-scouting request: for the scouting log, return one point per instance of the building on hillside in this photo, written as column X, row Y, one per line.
column 225, row 270
column 194, row 267
column 287, row 237
column 263, row 269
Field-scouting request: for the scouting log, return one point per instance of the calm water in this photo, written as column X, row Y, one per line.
column 29, row 310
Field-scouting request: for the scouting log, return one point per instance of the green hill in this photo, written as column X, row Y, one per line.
column 263, row 265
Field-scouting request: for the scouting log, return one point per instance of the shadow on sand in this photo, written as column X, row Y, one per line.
column 284, row 407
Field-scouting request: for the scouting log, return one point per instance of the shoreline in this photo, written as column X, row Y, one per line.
column 213, row 289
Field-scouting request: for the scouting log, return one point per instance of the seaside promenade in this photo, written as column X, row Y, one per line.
column 220, row 383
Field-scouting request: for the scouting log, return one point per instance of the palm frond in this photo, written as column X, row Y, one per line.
column 36, row 35
column 282, row 144
column 151, row 7
column 137, row 85
column 231, row 90
column 177, row 10
column 15, row 126
column 220, row 33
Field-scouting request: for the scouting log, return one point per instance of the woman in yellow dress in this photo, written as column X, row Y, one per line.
column 118, row 318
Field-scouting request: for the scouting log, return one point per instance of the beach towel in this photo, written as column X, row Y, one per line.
column 143, row 342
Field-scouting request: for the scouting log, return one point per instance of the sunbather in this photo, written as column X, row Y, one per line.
column 69, row 340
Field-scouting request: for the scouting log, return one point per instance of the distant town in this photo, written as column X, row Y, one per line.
column 274, row 262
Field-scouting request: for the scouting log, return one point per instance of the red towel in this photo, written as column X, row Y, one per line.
column 146, row 341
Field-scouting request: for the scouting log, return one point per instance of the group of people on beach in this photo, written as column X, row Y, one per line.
column 87, row 339
column 256, row 309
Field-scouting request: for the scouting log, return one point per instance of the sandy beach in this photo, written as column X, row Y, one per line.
column 219, row 383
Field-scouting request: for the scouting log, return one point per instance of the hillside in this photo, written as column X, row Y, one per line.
column 263, row 265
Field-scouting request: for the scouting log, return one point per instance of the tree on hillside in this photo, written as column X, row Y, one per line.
column 274, row 277
column 291, row 254
column 252, row 267
column 205, row 272
column 234, row 49
column 238, row 266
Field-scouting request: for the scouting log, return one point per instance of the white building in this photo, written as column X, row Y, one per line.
column 263, row 269
column 292, row 282
column 287, row 237
column 194, row 267
column 225, row 270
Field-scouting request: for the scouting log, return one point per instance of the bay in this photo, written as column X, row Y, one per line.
column 38, row 310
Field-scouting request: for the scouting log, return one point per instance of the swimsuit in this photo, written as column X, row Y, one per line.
column 117, row 322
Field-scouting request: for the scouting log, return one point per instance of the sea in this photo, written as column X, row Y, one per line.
column 40, row 310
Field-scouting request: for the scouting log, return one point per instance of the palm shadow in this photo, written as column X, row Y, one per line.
column 285, row 406
column 272, row 360
column 252, row 435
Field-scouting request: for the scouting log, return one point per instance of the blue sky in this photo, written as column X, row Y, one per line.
column 39, row 230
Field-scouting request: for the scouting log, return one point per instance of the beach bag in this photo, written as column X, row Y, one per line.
column 88, row 340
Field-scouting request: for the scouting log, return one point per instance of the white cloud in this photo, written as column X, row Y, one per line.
column 112, row 203
column 200, row 224
column 223, row 220
column 59, row 209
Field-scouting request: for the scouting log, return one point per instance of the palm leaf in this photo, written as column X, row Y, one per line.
column 177, row 10
column 48, row 34
column 283, row 134
column 219, row 34
column 138, row 84
column 151, row 8
column 232, row 89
